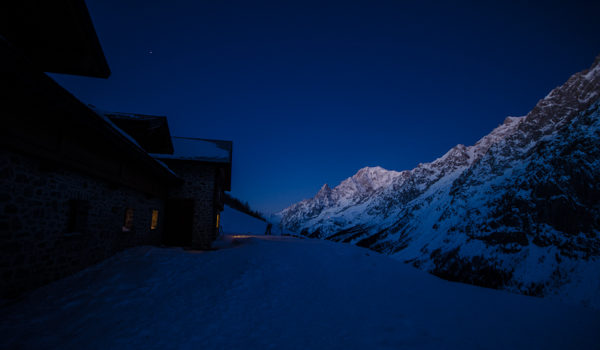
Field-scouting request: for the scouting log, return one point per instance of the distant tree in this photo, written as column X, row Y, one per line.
column 244, row 207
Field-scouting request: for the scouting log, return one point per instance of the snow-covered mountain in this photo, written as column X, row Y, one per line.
column 519, row 210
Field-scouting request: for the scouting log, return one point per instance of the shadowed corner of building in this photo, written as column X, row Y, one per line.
column 78, row 183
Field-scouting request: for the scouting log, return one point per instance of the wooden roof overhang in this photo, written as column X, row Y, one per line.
column 56, row 36
column 151, row 132
column 44, row 120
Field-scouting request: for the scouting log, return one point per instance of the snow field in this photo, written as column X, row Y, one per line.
column 282, row 293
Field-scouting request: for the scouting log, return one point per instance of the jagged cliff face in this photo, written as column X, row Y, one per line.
column 350, row 193
column 519, row 210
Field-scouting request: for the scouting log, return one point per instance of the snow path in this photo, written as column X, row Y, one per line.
column 282, row 293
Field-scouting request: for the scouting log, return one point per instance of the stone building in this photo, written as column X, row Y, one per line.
column 76, row 184
column 205, row 167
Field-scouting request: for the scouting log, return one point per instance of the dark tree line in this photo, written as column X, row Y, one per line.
column 244, row 207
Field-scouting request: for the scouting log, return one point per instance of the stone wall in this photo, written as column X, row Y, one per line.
column 200, row 186
column 36, row 210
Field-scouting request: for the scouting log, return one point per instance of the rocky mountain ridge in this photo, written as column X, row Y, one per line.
column 518, row 210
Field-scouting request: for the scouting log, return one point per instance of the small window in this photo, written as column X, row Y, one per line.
column 218, row 219
column 154, row 222
column 128, row 221
column 78, row 215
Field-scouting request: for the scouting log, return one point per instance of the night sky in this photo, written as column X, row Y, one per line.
column 310, row 92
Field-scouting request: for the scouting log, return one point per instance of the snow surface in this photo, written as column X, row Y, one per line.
column 282, row 293
column 236, row 222
column 196, row 149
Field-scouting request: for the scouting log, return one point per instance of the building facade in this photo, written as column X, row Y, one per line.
column 77, row 184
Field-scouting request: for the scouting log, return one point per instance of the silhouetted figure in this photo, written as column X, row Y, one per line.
column 268, row 231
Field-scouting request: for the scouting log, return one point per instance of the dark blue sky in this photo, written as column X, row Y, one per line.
column 309, row 92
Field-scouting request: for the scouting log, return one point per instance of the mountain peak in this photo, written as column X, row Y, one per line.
column 596, row 62
column 324, row 189
column 527, row 186
column 510, row 120
column 370, row 169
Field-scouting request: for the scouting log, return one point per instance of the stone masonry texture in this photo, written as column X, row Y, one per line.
column 35, row 206
column 200, row 186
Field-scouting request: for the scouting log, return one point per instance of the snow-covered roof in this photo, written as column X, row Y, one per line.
column 186, row 148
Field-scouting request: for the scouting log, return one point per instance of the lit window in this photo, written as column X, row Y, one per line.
column 218, row 218
column 154, row 223
column 128, row 222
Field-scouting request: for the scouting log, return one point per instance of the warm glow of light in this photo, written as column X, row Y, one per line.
column 154, row 223
column 128, row 222
column 218, row 218
column 241, row 236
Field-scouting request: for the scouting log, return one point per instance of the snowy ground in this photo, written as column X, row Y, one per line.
column 282, row 293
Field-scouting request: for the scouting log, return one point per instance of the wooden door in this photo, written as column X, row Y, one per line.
column 179, row 222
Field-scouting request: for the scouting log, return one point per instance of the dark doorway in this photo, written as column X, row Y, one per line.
column 179, row 222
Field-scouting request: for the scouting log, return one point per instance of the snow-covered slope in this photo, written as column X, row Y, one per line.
column 282, row 293
column 518, row 210
column 238, row 223
column 344, row 198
